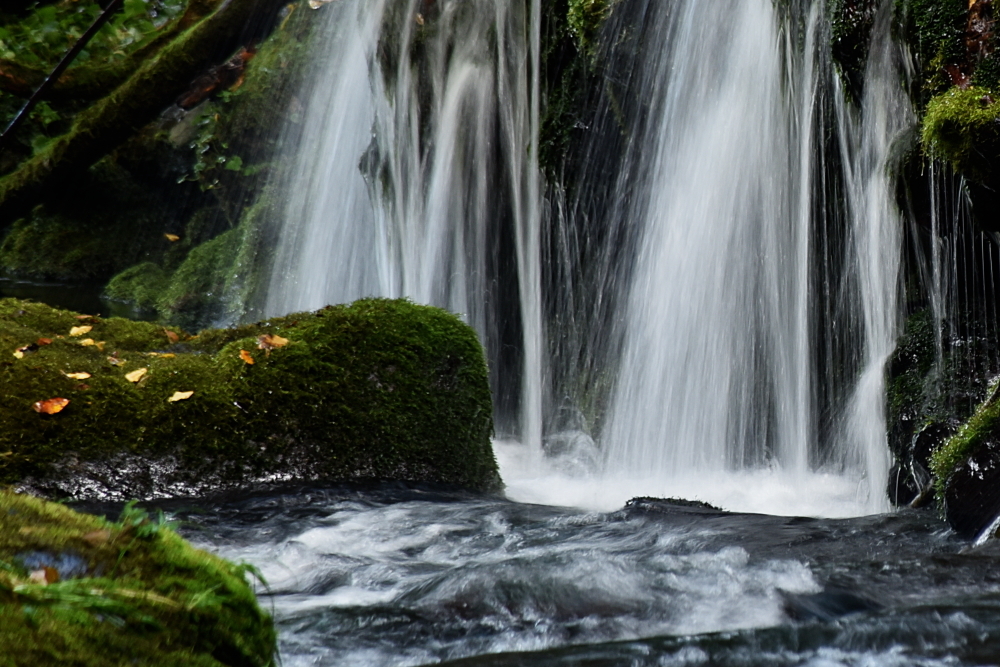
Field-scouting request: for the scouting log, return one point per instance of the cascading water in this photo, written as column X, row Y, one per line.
column 416, row 177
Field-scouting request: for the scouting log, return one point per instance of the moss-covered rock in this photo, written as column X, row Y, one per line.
column 379, row 389
column 967, row 469
column 80, row 590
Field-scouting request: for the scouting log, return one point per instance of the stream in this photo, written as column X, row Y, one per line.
column 395, row 574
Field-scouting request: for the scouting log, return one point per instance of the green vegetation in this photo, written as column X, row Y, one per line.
column 378, row 389
column 935, row 29
column 584, row 19
column 851, row 23
column 79, row 590
column 960, row 126
column 41, row 38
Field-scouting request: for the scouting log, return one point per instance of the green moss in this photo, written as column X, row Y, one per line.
column 130, row 592
column 584, row 19
column 140, row 285
column 967, row 441
column 194, row 292
column 960, row 126
column 376, row 390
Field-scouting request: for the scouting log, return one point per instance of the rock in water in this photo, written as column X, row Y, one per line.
column 376, row 390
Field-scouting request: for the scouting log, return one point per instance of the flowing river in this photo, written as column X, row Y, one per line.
column 398, row 575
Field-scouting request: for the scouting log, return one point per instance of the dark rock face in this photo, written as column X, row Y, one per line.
column 972, row 494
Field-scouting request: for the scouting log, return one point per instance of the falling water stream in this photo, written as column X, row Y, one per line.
column 753, row 304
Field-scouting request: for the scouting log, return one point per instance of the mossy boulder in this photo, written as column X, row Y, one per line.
column 79, row 590
column 967, row 469
column 376, row 390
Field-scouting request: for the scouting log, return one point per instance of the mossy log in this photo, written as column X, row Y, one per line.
column 155, row 85
column 377, row 390
column 79, row 590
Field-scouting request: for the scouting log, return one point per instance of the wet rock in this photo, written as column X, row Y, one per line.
column 972, row 493
column 377, row 390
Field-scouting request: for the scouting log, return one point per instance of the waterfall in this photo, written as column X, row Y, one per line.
column 744, row 301
column 415, row 176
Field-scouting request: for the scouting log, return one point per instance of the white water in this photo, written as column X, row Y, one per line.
column 718, row 370
column 406, row 168
column 416, row 161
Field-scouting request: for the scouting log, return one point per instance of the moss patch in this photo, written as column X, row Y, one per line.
column 379, row 389
column 967, row 441
column 961, row 126
column 79, row 590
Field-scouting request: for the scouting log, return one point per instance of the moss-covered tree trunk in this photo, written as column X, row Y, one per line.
column 109, row 122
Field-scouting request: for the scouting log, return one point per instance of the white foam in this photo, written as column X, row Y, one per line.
column 531, row 477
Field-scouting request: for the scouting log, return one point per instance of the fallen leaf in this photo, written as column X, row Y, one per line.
column 50, row 406
column 37, row 577
column 96, row 538
column 79, row 331
column 171, row 336
column 168, row 355
column 99, row 345
column 270, row 342
column 77, row 376
column 43, row 341
column 419, row 19
column 115, row 361
column 247, row 357
column 86, row 317
column 87, row 342
column 180, row 396
column 136, row 375
column 172, row 237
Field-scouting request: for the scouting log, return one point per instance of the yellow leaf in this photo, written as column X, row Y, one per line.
column 87, row 342
column 79, row 331
column 168, row 355
column 247, row 357
column 115, row 361
column 180, row 396
column 172, row 237
column 19, row 354
column 136, row 375
column 99, row 345
column 77, row 376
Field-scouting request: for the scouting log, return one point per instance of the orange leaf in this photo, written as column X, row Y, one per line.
column 79, row 331
column 270, row 342
column 77, row 376
column 43, row 341
column 172, row 237
column 136, row 375
column 50, row 406
column 180, row 396
column 247, row 357
column 171, row 336
column 86, row 317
